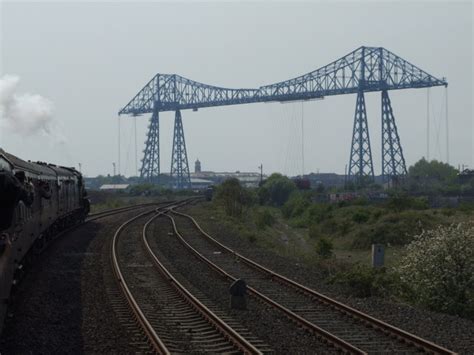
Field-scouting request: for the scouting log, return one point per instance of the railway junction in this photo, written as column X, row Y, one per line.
column 148, row 278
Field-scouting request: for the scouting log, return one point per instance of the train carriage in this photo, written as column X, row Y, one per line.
column 37, row 201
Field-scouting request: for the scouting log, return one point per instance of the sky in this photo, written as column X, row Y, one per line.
column 81, row 62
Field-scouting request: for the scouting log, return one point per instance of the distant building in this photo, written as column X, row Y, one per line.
column 114, row 187
column 326, row 179
column 247, row 179
column 199, row 184
column 197, row 166
column 343, row 196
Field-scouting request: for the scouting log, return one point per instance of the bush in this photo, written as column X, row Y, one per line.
column 295, row 206
column 314, row 231
column 264, row 219
column 394, row 228
column 276, row 190
column 361, row 217
column 438, row 269
column 318, row 212
column 365, row 281
column 400, row 201
column 324, row 247
column 233, row 196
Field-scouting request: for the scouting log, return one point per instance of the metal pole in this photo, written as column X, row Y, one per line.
column 302, row 139
column 447, row 125
column 136, row 152
column 428, row 124
column 118, row 147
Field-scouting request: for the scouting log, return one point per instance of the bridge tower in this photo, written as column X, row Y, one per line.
column 150, row 170
column 360, row 163
column 393, row 161
column 179, row 158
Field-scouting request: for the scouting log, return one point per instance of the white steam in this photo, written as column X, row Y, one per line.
column 26, row 114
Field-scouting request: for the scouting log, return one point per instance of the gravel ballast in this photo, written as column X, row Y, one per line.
column 62, row 305
column 270, row 325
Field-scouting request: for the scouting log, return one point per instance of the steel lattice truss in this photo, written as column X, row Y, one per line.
column 179, row 157
column 151, row 162
column 360, row 163
column 367, row 69
column 393, row 161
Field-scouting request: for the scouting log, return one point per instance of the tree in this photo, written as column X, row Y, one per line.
column 438, row 269
column 233, row 196
column 433, row 176
column 276, row 190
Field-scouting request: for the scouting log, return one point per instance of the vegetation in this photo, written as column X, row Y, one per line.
column 434, row 177
column 233, row 197
column 365, row 281
column 429, row 259
column 264, row 218
column 324, row 248
column 437, row 270
column 276, row 190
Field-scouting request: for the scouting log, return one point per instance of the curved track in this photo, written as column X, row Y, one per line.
column 171, row 317
column 346, row 328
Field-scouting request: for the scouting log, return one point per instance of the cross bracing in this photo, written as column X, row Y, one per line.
column 366, row 69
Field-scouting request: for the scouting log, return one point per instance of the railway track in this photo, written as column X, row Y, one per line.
column 173, row 320
column 113, row 211
column 345, row 328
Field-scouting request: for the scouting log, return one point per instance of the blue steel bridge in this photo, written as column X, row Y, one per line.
column 366, row 69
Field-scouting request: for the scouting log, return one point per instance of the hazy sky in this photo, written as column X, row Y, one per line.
column 91, row 58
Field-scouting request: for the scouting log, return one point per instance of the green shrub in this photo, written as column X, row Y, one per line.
column 314, row 231
column 234, row 197
column 361, row 217
column 448, row 212
column 344, row 227
column 466, row 207
column 324, row 247
column 438, row 269
column 394, row 228
column 318, row 212
column 295, row 206
column 251, row 238
column 365, row 281
column 359, row 201
column 276, row 190
column 400, row 201
column 264, row 219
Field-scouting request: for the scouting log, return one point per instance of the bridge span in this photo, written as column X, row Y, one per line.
column 366, row 69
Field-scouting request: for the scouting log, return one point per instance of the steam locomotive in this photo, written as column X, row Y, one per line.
column 37, row 201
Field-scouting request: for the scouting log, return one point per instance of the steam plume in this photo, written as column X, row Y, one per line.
column 25, row 114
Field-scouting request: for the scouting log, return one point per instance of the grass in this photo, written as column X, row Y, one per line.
column 351, row 229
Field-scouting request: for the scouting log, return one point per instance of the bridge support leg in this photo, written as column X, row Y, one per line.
column 150, row 170
column 179, row 157
column 393, row 161
column 360, row 163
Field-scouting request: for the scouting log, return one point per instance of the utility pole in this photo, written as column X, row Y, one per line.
column 428, row 125
column 136, row 151
column 261, row 173
column 118, row 120
column 302, row 139
column 114, row 167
